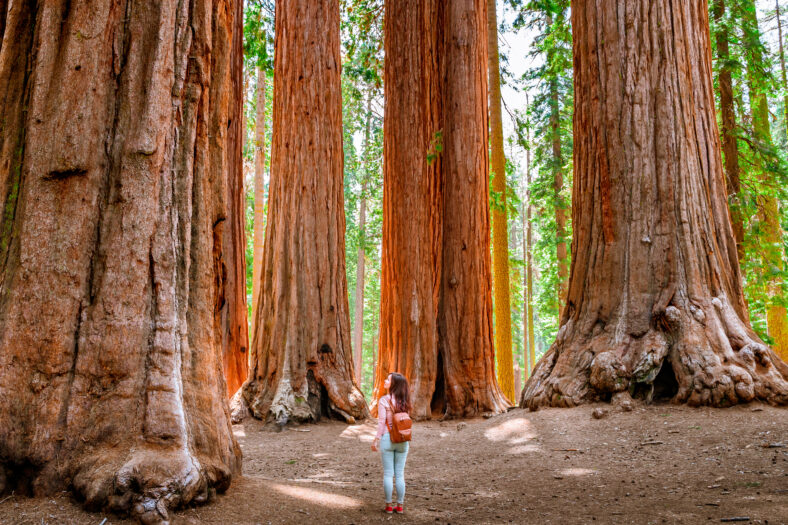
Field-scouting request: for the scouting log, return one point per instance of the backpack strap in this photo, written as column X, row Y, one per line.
column 391, row 409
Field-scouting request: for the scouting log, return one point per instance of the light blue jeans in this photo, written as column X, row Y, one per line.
column 393, row 456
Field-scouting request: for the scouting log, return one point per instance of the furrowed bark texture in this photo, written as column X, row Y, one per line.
column 411, row 202
column 235, row 328
column 465, row 337
column 302, row 363
column 500, row 244
column 655, row 304
column 114, row 165
column 436, row 302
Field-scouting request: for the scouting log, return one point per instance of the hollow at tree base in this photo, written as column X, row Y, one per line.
column 282, row 403
column 698, row 356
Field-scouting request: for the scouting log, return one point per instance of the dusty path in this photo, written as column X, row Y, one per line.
column 657, row 464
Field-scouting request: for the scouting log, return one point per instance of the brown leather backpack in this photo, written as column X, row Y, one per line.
column 400, row 429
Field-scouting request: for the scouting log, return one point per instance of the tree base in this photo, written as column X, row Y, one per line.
column 700, row 356
column 147, row 485
column 308, row 404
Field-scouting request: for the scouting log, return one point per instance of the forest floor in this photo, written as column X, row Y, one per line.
column 655, row 464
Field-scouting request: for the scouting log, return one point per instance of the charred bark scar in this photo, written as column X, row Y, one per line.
column 65, row 174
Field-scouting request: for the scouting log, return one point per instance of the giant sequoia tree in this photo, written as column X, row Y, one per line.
column 655, row 304
column 115, row 164
column 301, row 359
column 436, row 302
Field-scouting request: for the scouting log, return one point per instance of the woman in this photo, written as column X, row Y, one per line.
column 392, row 454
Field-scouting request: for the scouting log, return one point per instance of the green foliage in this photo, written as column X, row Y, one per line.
column 258, row 34
column 550, row 82
column 762, row 158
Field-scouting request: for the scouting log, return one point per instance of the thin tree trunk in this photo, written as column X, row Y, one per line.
column 769, row 212
column 730, row 147
column 500, row 245
column 655, row 304
column 117, row 252
column 358, row 328
column 782, row 70
column 302, row 362
column 259, row 191
column 527, row 258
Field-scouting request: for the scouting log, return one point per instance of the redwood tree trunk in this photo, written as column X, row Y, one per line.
column 410, row 266
column 232, row 266
column 655, row 304
column 302, row 363
column 436, row 302
column 465, row 337
column 115, row 164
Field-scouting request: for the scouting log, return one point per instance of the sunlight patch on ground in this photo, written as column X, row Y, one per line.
column 239, row 432
column 320, row 455
column 313, row 496
column 360, row 432
column 577, row 472
column 513, row 431
column 524, row 449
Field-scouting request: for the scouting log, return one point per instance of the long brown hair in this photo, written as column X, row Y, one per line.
column 400, row 392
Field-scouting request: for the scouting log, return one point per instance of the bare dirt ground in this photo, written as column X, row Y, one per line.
column 656, row 464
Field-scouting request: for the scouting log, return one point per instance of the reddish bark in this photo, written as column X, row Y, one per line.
column 235, row 329
column 657, row 307
column 113, row 168
column 301, row 358
column 411, row 236
column 436, row 311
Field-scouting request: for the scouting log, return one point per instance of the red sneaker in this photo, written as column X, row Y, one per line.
column 389, row 508
column 398, row 509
